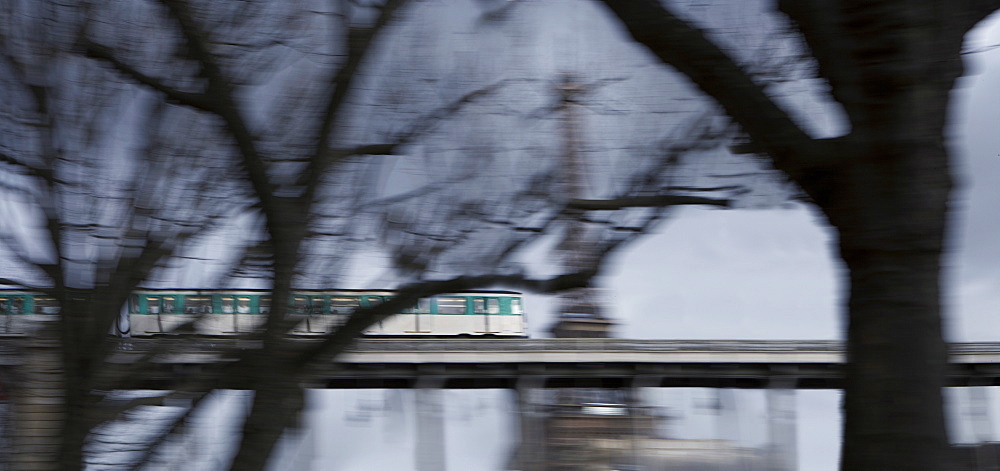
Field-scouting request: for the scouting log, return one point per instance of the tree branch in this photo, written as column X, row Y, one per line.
column 226, row 106
column 819, row 21
column 430, row 120
column 977, row 10
column 21, row 253
column 153, row 446
column 656, row 201
column 359, row 42
column 201, row 101
column 10, row 282
column 44, row 174
column 114, row 410
column 677, row 43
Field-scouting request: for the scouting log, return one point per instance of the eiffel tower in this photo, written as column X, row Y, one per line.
column 584, row 428
column 580, row 313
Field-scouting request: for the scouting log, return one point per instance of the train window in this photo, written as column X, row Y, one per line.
column 198, row 305
column 243, row 305
column 487, row 306
column 153, row 304
column 343, row 304
column 451, row 305
column 16, row 305
column 169, row 304
column 3, row 306
column 133, row 303
column 300, row 304
column 228, row 305
column 316, row 305
column 46, row 305
column 264, row 306
column 515, row 307
column 423, row 307
column 373, row 300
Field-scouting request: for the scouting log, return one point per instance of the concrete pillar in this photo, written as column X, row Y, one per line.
column 782, row 453
column 982, row 426
column 430, row 429
column 979, row 413
column 529, row 452
column 727, row 419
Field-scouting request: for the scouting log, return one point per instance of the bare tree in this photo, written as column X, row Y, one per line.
column 883, row 185
column 94, row 203
column 133, row 130
column 104, row 201
column 138, row 132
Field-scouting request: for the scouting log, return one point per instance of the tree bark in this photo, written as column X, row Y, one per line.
column 896, row 363
column 890, row 211
column 276, row 407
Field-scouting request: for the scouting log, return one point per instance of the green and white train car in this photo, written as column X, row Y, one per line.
column 27, row 303
column 227, row 312
column 20, row 309
column 232, row 312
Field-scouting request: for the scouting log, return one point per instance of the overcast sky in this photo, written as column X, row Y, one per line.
column 704, row 274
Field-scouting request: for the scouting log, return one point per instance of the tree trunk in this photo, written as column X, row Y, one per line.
column 79, row 343
column 278, row 397
column 39, row 405
column 890, row 211
column 74, row 432
column 897, row 361
column 276, row 407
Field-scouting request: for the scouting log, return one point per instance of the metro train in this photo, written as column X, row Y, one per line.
column 233, row 312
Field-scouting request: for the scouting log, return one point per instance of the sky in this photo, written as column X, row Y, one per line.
column 703, row 274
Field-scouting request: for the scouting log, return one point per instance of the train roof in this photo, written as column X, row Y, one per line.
column 254, row 290
column 317, row 291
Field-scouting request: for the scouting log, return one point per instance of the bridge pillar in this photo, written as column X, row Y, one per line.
column 983, row 454
column 782, row 451
column 979, row 412
column 430, row 426
column 529, row 452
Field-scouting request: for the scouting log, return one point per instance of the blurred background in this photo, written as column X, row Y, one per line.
column 427, row 148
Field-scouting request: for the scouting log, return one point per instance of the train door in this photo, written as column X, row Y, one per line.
column 516, row 317
column 300, row 308
column 228, row 306
column 161, row 305
column 17, row 305
column 264, row 305
column 452, row 318
column 46, row 305
column 342, row 307
column 378, row 327
column 6, row 313
column 421, row 315
column 488, row 310
column 317, row 314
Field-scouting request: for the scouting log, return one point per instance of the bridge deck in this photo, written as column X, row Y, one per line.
column 513, row 363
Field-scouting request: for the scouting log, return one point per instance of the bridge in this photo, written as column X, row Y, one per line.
column 527, row 366
column 565, row 363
